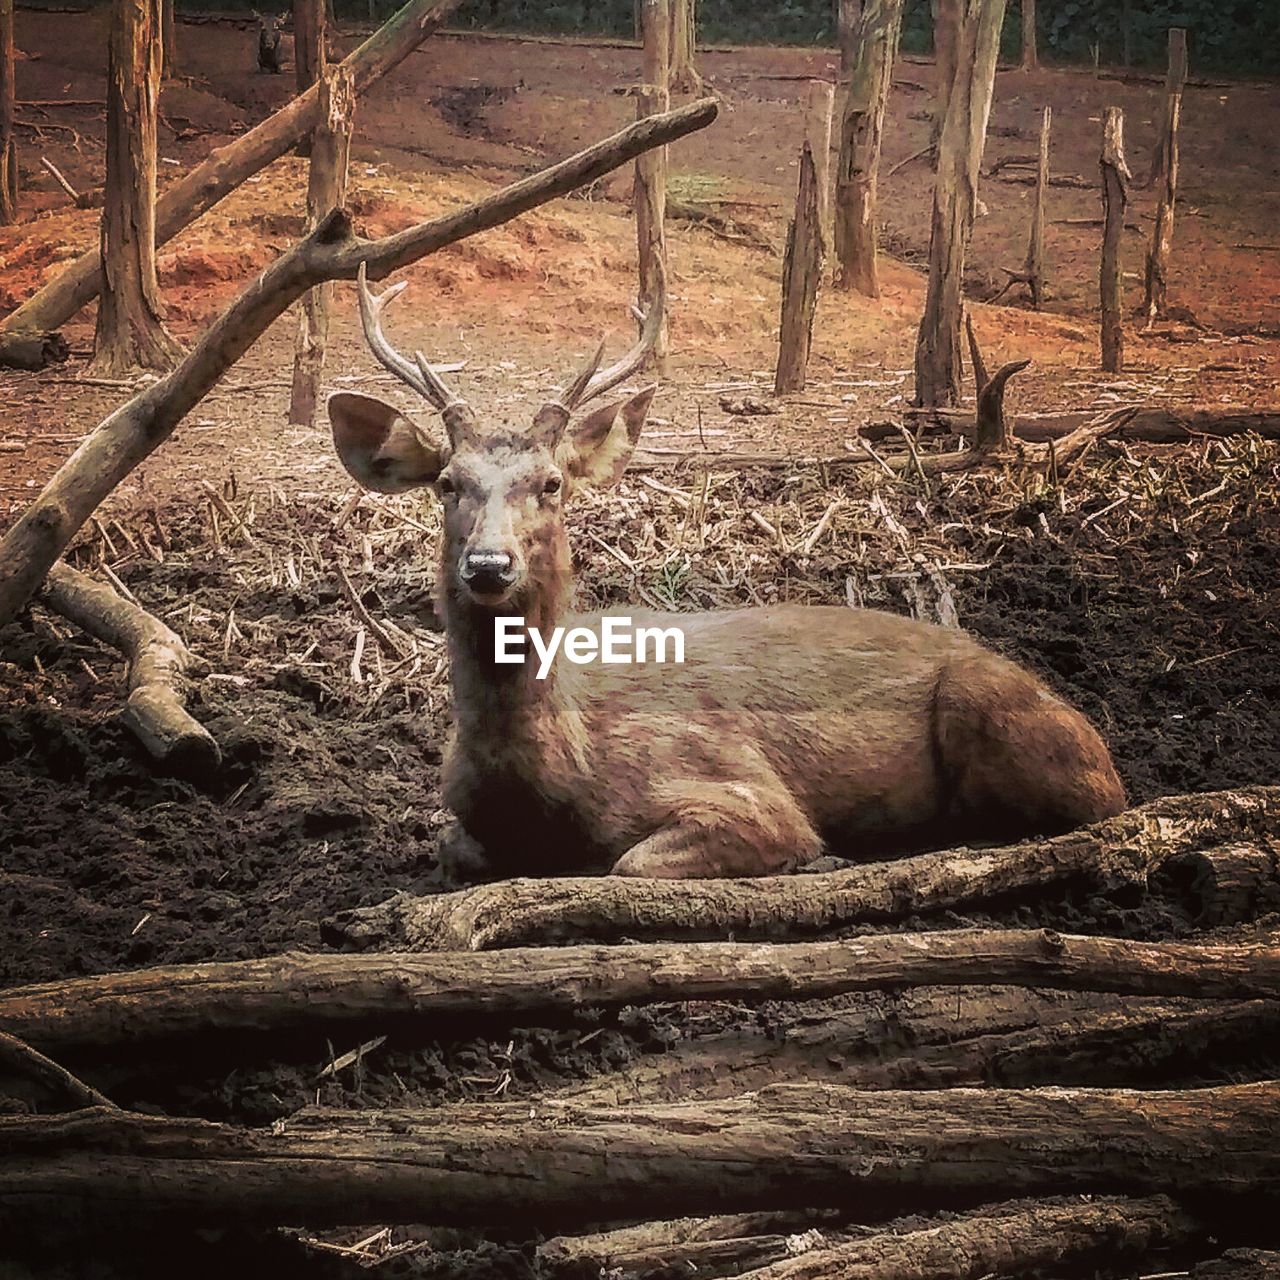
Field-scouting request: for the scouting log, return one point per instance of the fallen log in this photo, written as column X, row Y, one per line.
column 1148, row 425
column 159, row 667
column 549, row 1167
column 1120, row 850
column 1239, row 1264
column 1012, row 1240
column 290, row 993
column 1137, row 1043
column 1231, row 884
column 225, row 169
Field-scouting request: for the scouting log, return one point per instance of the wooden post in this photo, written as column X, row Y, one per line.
column 308, row 54
column 326, row 189
column 1030, row 58
column 847, row 14
column 801, row 273
column 861, row 128
column 1164, row 169
column 654, row 21
column 683, row 45
column 8, row 144
column 938, row 359
column 818, row 110
column 947, row 17
column 130, row 332
column 168, row 41
column 1115, row 195
column 1034, row 267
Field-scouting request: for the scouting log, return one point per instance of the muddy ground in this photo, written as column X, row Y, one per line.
column 1142, row 585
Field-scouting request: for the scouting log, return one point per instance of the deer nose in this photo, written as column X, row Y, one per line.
column 487, row 570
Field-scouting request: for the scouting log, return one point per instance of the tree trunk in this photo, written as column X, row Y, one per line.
column 58, row 300
column 169, row 64
column 35, row 541
column 801, row 275
column 938, row 360
column 860, row 133
column 8, row 141
column 1115, row 196
column 130, row 331
column 683, row 47
column 327, row 189
column 1030, row 59
column 650, row 187
column 948, row 18
column 1165, row 170
column 847, row 14
column 1118, row 851
column 309, row 56
column 284, row 994
column 553, row 1167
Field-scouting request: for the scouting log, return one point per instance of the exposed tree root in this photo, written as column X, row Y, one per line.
column 159, row 665
column 282, row 994
column 548, row 1166
column 1120, row 850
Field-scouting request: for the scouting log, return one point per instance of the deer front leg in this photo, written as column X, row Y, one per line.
column 725, row 829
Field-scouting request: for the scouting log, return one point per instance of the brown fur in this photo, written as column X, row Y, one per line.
column 786, row 730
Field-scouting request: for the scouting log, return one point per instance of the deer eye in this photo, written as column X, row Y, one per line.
column 446, row 487
column 552, row 484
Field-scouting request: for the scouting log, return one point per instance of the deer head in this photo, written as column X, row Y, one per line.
column 502, row 487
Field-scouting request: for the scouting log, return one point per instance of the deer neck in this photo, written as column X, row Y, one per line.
column 505, row 702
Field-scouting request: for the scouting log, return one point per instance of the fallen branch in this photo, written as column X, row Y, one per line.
column 288, row 993
column 330, row 252
column 20, row 1058
column 1150, row 425
column 1012, row 1239
column 553, row 1167
column 159, row 666
column 509, row 913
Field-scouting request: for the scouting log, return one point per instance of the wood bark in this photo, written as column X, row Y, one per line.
column 650, row 184
column 283, row 994
column 1030, row 57
column 8, row 139
column 938, row 360
column 1165, row 171
column 58, row 300
column 331, row 252
column 326, row 189
column 159, row 669
column 130, row 332
column 1010, row 1240
column 801, row 276
column 550, row 1167
column 1115, row 197
column 861, row 129
column 1120, row 850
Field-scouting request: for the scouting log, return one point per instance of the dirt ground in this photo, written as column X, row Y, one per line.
column 1142, row 585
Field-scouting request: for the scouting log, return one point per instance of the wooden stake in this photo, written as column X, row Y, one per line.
column 1034, row 266
column 1115, row 196
column 1030, row 59
column 683, row 46
column 654, row 19
column 326, row 189
column 847, row 14
column 819, row 108
column 8, row 143
column 168, row 41
column 937, row 359
column 801, row 274
column 875, row 47
column 1165, row 167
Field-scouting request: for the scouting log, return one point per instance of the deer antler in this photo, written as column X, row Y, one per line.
column 591, row 381
column 416, row 373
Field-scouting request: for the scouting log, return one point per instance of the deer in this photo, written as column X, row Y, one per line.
column 788, row 731
column 270, row 55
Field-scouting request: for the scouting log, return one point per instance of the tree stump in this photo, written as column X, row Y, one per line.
column 801, row 275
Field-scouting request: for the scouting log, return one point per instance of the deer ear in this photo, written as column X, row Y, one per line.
column 596, row 449
column 382, row 448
